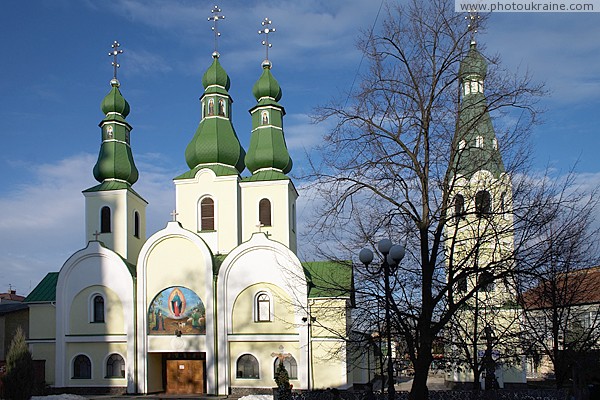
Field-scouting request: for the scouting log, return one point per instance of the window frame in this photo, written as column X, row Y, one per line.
column 105, row 219
column 255, row 366
column 290, row 369
column 202, row 219
column 483, row 203
column 265, row 209
column 136, row 224
column 93, row 311
column 258, row 317
column 106, row 366
column 76, row 367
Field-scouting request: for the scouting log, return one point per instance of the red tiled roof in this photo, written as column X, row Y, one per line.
column 12, row 296
column 567, row 289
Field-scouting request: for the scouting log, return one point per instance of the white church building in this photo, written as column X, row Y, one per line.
column 210, row 303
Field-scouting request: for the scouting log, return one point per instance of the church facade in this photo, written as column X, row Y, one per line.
column 212, row 302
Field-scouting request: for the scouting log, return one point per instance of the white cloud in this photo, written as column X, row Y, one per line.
column 44, row 220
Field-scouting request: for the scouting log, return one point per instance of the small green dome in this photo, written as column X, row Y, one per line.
column 114, row 101
column 215, row 75
column 473, row 64
column 267, row 85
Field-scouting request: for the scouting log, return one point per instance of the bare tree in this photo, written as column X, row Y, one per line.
column 390, row 167
column 561, row 301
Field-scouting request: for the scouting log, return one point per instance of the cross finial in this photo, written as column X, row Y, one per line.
column 96, row 234
column 267, row 29
column 114, row 53
column 174, row 215
column 473, row 25
column 215, row 18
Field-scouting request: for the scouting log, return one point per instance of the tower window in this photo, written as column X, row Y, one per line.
column 211, row 106
column 115, row 366
column 109, row 132
column 82, row 367
column 247, row 367
column 264, row 118
column 222, row 107
column 290, row 364
column 264, row 212
column 136, row 224
column 483, row 203
column 459, row 207
column 479, row 141
column 485, row 282
column 263, row 308
column 207, row 214
column 105, row 220
column 98, row 309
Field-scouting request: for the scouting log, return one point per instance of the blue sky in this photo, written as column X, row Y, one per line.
column 56, row 71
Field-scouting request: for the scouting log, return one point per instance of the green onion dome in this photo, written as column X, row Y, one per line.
column 114, row 102
column 473, row 64
column 267, row 85
column 115, row 160
column 216, row 75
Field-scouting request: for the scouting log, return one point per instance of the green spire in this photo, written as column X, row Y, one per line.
column 268, row 156
column 115, row 161
column 477, row 142
column 215, row 144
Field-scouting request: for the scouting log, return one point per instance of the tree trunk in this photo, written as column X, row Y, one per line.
column 419, row 390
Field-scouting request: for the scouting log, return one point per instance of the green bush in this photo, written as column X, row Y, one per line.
column 18, row 381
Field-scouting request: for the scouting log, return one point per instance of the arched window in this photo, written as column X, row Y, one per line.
column 485, row 281
column 265, row 118
column 290, row 364
column 115, row 366
column 263, row 307
column 247, row 367
column 105, row 220
column 222, row 107
column 109, row 132
column 98, row 309
column 207, row 214
column 136, row 224
column 82, row 367
column 479, row 141
column 211, row 107
column 459, row 207
column 483, row 203
column 264, row 212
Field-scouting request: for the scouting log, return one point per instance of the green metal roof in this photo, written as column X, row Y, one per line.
column 266, row 175
column 331, row 279
column 267, row 85
column 215, row 140
column 114, row 102
column 112, row 185
column 473, row 64
column 219, row 170
column 267, row 143
column 474, row 122
column 216, row 75
column 45, row 291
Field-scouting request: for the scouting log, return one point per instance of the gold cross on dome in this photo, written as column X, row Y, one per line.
column 215, row 18
column 114, row 53
column 267, row 29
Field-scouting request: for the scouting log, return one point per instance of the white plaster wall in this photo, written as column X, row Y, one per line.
column 224, row 190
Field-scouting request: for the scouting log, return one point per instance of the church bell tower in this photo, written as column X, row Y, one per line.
column 114, row 213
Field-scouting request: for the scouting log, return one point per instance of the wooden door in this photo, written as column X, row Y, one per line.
column 185, row 376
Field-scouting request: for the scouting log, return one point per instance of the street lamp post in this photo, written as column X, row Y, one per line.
column 391, row 257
